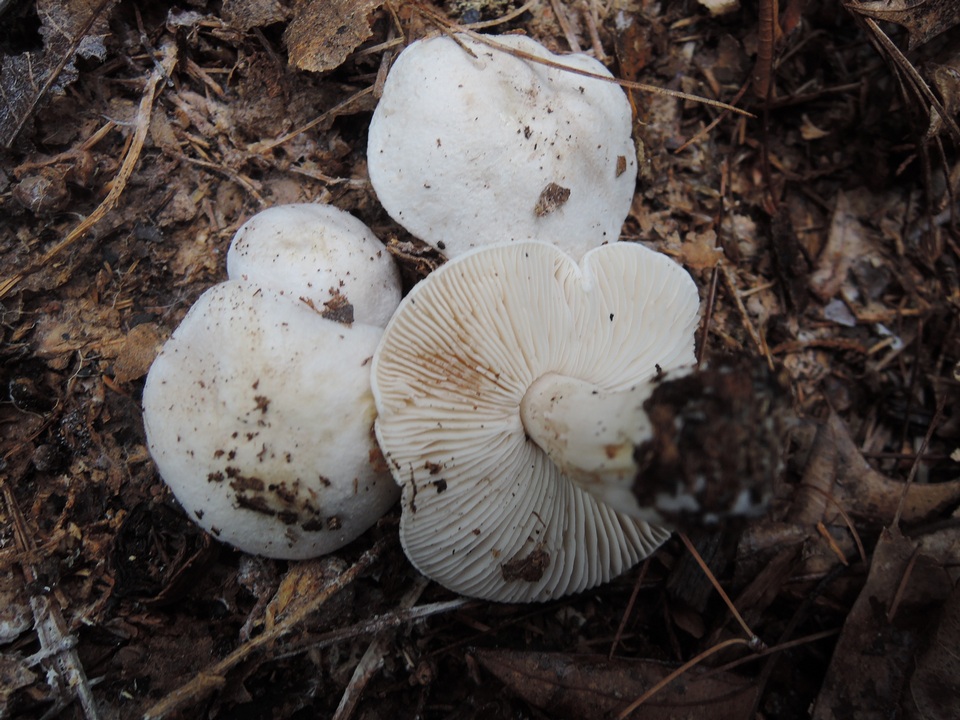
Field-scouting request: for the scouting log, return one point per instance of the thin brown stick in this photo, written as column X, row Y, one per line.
column 132, row 155
column 902, row 586
column 752, row 637
column 214, row 677
column 772, row 650
column 441, row 21
column 629, row 609
column 56, row 642
column 564, row 23
column 267, row 145
column 934, row 422
column 766, row 39
column 708, row 315
column 372, row 659
column 846, row 518
column 702, row 133
column 831, row 543
column 503, row 18
column 67, row 56
column 744, row 315
column 627, row 711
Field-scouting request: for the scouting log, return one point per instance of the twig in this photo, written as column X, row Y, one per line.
column 267, row 145
column 766, row 39
column 441, row 21
column 590, row 15
column 372, row 659
column 66, row 56
column 902, row 586
column 703, row 132
column 380, row 623
column 744, row 315
column 629, row 609
column 503, row 18
column 565, row 25
column 214, row 677
column 56, row 642
column 627, row 711
column 941, row 404
column 708, row 315
column 831, row 543
column 752, row 638
column 167, row 61
column 772, row 650
column 846, row 518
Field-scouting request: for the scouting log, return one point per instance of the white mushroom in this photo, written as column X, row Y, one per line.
column 468, row 382
column 321, row 254
column 471, row 150
column 259, row 416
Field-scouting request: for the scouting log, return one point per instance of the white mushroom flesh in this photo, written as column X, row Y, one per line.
column 259, row 416
column 466, row 150
column 485, row 510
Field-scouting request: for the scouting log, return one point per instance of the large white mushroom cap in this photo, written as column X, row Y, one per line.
column 319, row 253
column 259, row 416
column 486, row 512
column 466, row 151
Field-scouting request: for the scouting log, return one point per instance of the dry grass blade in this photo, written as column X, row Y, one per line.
column 268, row 145
column 131, row 156
column 56, row 642
column 909, row 75
column 629, row 609
column 941, row 404
column 443, row 22
column 372, row 659
column 846, row 519
column 627, row 711
column 752, row 638
column 513, row 14
column 215, row 676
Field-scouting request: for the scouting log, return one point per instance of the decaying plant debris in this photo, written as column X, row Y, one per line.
column 823, row 233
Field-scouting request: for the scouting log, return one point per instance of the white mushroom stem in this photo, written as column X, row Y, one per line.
column 589, row 433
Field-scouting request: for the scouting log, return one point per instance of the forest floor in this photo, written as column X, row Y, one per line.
column 823, row 231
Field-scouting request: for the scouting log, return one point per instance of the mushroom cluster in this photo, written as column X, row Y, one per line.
column 509, row 384
column 504, row 394
column 258, row 409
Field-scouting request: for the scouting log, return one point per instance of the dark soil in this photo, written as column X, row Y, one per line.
column 822, row 230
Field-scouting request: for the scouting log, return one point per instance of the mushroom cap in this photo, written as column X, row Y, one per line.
column 485, row 512
column 259, row 416
column 320, row 253
column 466, row 151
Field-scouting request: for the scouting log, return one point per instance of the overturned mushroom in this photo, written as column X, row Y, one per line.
column 468, row 382
column 471, row 145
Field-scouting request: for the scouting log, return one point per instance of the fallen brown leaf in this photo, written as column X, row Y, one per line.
column 844, row 244
column 934, row 688
column 592, row 686
column 922, row 20
column 843, row 477
column 869, row 667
